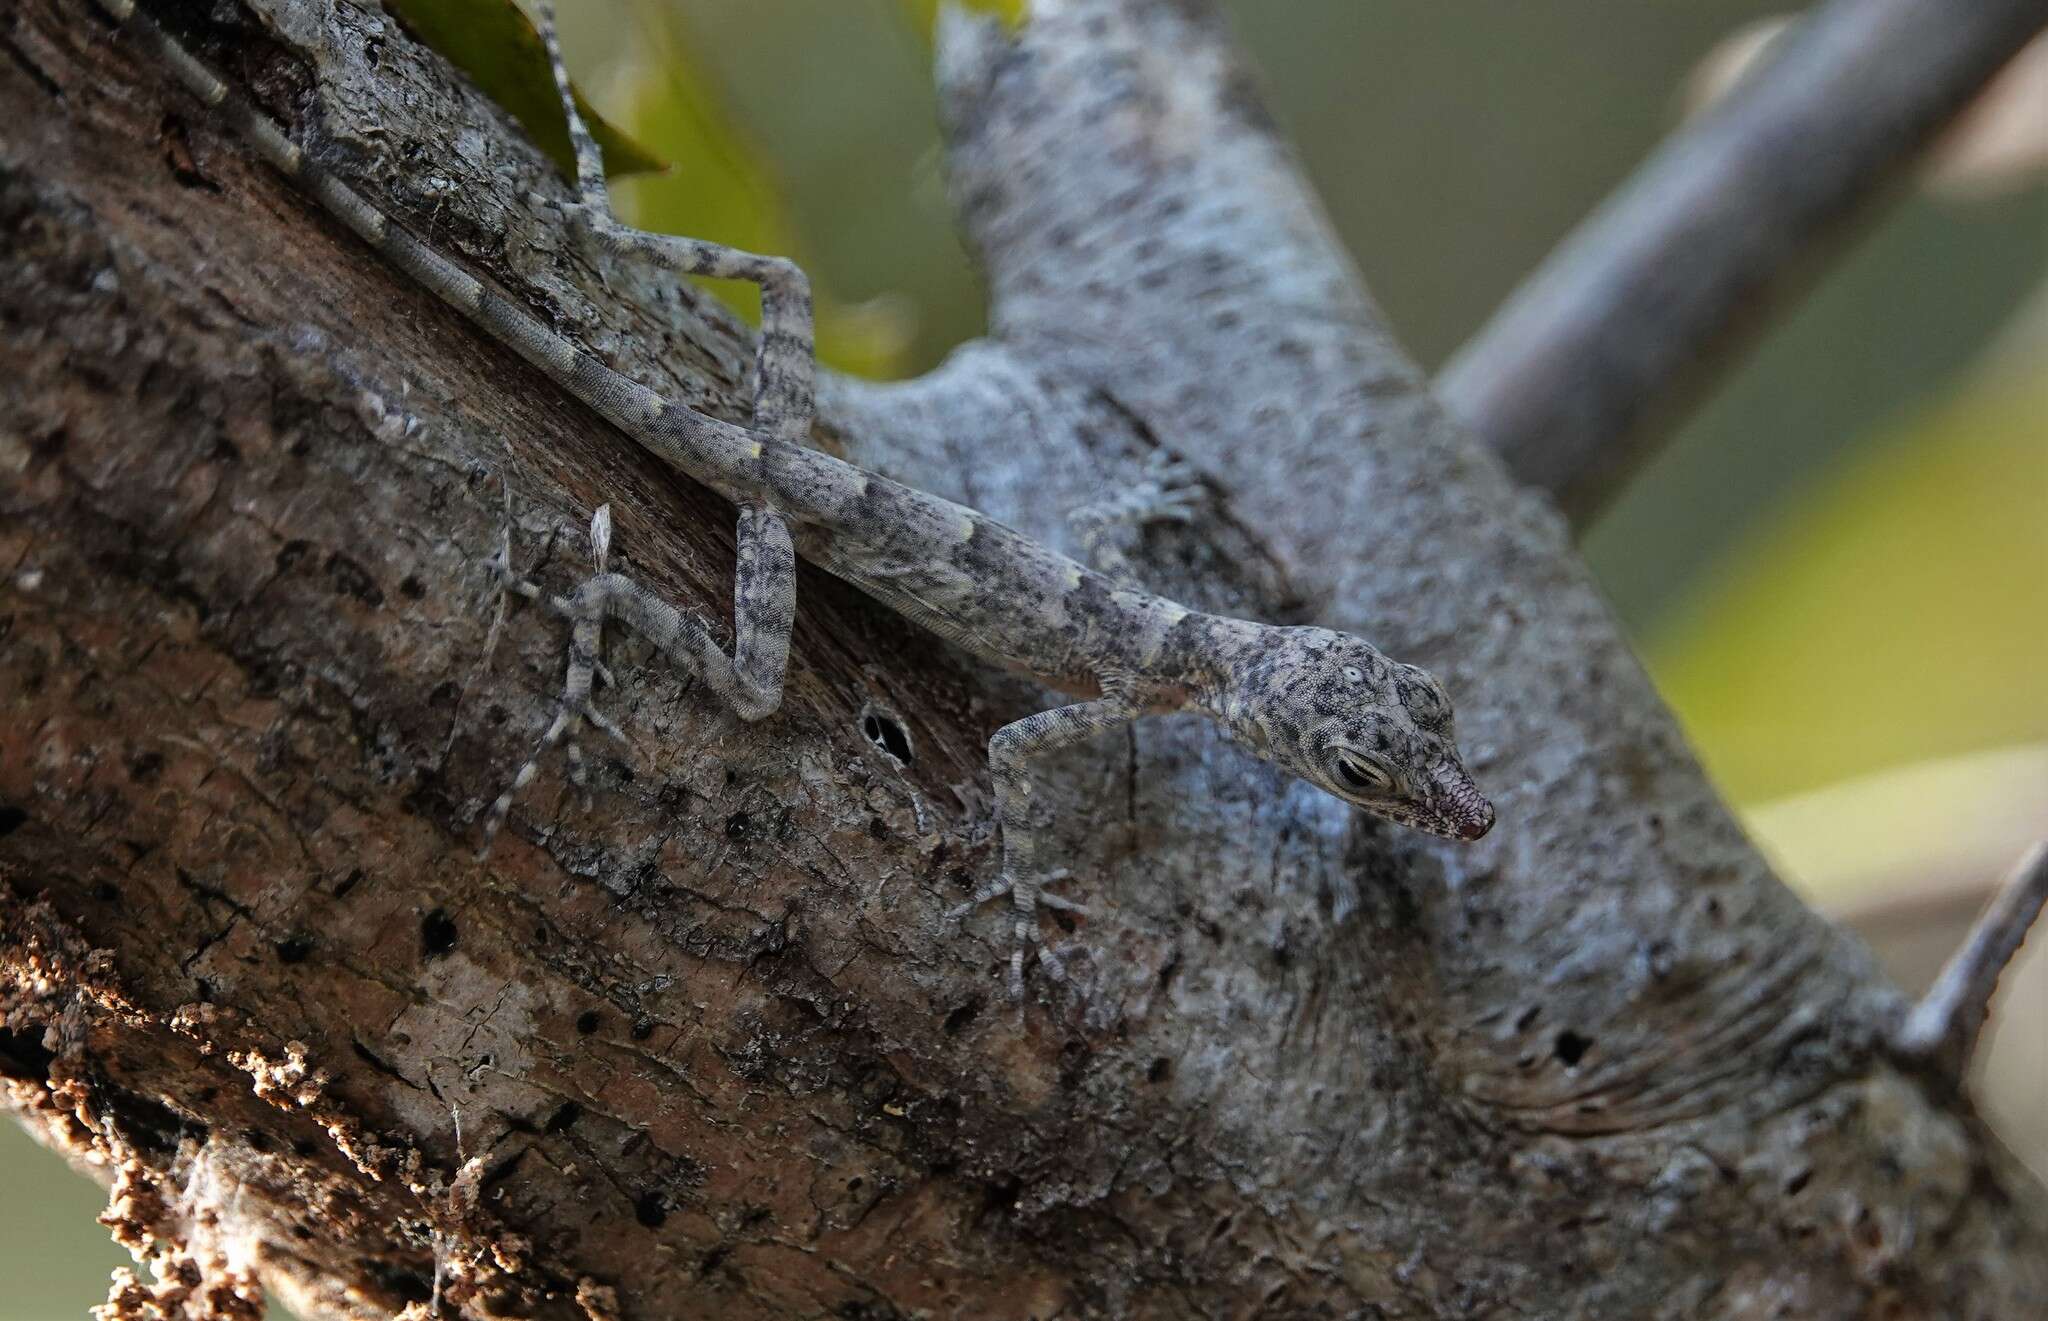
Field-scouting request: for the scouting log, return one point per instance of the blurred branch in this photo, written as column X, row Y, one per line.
column 1576, row 379
column 1946, row 1022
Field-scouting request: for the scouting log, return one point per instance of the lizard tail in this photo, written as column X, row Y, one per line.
column 712, row 451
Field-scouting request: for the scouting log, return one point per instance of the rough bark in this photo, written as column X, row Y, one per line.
column 707, row 1047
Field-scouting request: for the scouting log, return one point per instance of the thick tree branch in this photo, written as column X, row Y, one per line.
column 710, row 1043
column 1589, row 364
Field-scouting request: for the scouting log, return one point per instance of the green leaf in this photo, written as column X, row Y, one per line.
column 498, row 47
column 719, row 189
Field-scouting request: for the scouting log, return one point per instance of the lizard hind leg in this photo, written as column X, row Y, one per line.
column 1170, row 490
column 749, row 680
column 784, row 353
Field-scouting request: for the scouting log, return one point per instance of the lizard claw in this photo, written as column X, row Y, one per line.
column 1171, row 489
column 995, row 889
column 1025, row 901
column 1025, row 937
column 572, row 712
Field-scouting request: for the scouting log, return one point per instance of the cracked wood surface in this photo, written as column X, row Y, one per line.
column 707, row 1046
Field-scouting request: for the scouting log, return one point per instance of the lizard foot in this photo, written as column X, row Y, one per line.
column 1170, row 490
column 1026, row 898
column 573, row 712
column 585, row 669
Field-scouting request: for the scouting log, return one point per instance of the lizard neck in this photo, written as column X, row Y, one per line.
column 1222, row 650
column 1196, row 654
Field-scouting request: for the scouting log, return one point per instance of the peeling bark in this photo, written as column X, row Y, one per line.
column 707, row 1046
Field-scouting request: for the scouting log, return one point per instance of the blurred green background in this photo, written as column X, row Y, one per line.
column 1838, row 571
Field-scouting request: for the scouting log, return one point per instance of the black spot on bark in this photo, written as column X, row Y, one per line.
column 143, row 766
column 352, row 579
column 1160, row 1070
column 643, row 1029
column 999, row 1197
column 409, row 1286
column 348, row 882
column 11, row 819
column 564, row 1118
column 437, row 933
column 1571, row 1048
column 178, row 155
column 586, row 1022
column 886, row 733
column 651, row 1209
column 152, row 1125
column 293, row 949
column 23, row 1056
column 962, row 1015
column 1169, row 970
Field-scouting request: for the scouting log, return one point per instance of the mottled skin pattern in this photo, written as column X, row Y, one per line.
column 1323, row 705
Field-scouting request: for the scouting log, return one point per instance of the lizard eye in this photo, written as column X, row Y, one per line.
column 1363, row 774
column 1353, row 674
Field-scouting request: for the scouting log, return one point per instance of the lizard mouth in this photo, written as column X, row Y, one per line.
column 1453, row 807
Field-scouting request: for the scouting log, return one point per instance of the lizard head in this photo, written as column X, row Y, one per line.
column 1371, row 731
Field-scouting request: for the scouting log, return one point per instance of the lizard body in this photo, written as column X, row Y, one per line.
column 1324, row 705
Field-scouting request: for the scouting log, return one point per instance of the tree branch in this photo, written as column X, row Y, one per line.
column 1945, row 1024
column 711, row 1040
column 1582, row 372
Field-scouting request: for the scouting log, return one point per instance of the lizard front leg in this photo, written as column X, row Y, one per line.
column 749, row 681
column 1012, row 752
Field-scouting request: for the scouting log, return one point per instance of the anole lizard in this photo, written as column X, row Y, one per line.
column 1323, row 705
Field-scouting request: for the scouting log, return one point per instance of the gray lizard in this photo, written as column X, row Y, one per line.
column 1322, row 705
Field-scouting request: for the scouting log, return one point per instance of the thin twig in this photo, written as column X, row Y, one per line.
column 1579, row 374
column 1946, row 1022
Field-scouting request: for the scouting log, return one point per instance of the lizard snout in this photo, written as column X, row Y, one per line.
column 1468, row 811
